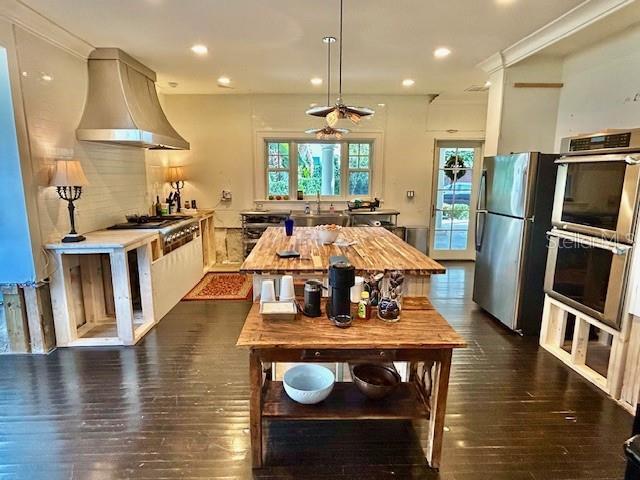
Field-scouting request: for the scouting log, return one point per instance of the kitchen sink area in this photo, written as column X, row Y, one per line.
column 302, row 219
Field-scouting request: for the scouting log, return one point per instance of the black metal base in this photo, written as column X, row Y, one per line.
column 73, row 238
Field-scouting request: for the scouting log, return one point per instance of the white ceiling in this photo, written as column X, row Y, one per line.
column 274, row 46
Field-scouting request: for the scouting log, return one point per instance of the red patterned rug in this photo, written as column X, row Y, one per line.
column 222, row 286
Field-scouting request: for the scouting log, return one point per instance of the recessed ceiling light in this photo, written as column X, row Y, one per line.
column 46, row 77
column 408, row 82
column 487, row 84
column 441, row 52
column 381, row 105
column 317, row 81
column 199, row 49
column 224, row 80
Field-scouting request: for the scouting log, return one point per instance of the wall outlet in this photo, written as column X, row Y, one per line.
column 226, row 195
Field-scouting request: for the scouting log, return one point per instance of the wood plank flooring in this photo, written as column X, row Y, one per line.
column 176, row 406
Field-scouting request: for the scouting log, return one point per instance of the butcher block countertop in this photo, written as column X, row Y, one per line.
column 375, row 250
column 418, row 329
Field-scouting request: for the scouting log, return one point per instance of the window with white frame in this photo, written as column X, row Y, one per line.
column 340, row 169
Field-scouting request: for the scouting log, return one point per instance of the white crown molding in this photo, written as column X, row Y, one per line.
column 492, row 63
column 25, row 17
column 588, row 12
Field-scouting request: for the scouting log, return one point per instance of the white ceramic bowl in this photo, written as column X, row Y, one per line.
column 308, row 383
column 327, row 236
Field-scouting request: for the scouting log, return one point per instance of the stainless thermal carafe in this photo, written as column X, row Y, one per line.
column 312, row 297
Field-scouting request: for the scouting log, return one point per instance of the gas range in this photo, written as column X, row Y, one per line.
column 149, row 222
column 174, row 231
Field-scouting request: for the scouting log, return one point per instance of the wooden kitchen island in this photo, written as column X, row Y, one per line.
column 422, row 338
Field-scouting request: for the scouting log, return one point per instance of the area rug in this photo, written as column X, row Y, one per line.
column 222, row 286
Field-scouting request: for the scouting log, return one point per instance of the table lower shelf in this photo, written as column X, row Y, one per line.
column 345, row 402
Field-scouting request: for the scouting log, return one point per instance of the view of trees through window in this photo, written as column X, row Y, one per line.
column 318, row 167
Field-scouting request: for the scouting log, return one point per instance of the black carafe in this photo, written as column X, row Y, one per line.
column 312, row 298
column 342, row 276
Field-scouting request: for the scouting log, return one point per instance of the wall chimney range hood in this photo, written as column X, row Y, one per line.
column 122, row 105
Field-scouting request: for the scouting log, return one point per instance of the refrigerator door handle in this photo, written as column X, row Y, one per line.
column 480, row 214
column 482, row 192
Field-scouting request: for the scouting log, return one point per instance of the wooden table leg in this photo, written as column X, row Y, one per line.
column 439, row 390
column 255, row 408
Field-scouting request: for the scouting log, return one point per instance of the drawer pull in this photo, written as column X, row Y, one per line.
column 382, row 354
column 317, row 354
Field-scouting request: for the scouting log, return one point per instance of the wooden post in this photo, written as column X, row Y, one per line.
column 439, row 391
column 40, row 317
column 122, row 296
column 15, row 315
column 255, row 407
column 145, row 255
column 63, row 311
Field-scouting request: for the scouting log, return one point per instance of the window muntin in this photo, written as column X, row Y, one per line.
column 334, row 169
column 278, row 164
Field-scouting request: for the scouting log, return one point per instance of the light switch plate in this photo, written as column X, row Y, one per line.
column 411, row 193
column 226, row 195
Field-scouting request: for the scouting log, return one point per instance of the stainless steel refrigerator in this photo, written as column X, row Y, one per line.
column 514, row 213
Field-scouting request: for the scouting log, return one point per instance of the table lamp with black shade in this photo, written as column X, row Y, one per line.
column 69, row 178
column 175, row 177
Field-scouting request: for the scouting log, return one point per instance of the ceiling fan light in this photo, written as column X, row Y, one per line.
column 332, row 118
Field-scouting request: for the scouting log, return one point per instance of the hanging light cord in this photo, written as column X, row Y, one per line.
column 328, row 71
column 340, row 67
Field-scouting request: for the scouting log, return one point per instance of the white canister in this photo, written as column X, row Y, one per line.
column 287, row 292
column 356, row 290
column 267, row 291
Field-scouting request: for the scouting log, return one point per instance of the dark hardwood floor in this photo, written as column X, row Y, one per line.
column 176, row 406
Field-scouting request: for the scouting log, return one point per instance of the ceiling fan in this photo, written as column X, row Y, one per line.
column 340, row 110
column 328, row 131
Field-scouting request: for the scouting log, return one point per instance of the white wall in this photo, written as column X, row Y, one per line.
column 523, row 119
column 51, row 112
column 222, row 128
column 529, row 114
column 601, row 87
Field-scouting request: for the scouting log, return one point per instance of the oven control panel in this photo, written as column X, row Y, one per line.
column 597, row 142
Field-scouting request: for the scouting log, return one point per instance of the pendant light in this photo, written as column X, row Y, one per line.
column 328, row 131
column 340, row 110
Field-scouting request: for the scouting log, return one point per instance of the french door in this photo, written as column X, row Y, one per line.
column 456, row 178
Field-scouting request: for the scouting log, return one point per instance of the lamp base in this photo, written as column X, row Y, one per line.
column 73, row 238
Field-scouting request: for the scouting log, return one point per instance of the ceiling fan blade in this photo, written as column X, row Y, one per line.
column 321, row 111
column 360, row 111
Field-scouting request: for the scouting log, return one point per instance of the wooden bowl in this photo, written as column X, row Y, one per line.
column 375, row 381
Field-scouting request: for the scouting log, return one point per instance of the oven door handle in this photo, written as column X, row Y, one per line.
column 632, row 159
column 615, row 248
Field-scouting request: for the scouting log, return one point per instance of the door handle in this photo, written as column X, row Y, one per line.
column 482, row 192
column 479, row 236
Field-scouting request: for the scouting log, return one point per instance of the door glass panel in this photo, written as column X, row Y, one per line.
column 592, row 194
column 442, row 239
column 459, row 239
column 453, row 198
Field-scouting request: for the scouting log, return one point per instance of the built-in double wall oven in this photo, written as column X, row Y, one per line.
column 594, row 223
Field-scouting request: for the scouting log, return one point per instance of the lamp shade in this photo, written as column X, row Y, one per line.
column 68, row 173
column 175, row 174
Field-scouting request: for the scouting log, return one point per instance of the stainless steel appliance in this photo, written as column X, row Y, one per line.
column 174, row 231
column 312, row 298
column 122, row 105
column 594, row 218
column 588, row 274
column 513, row 216
column 342, row 277
column 597, row 185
